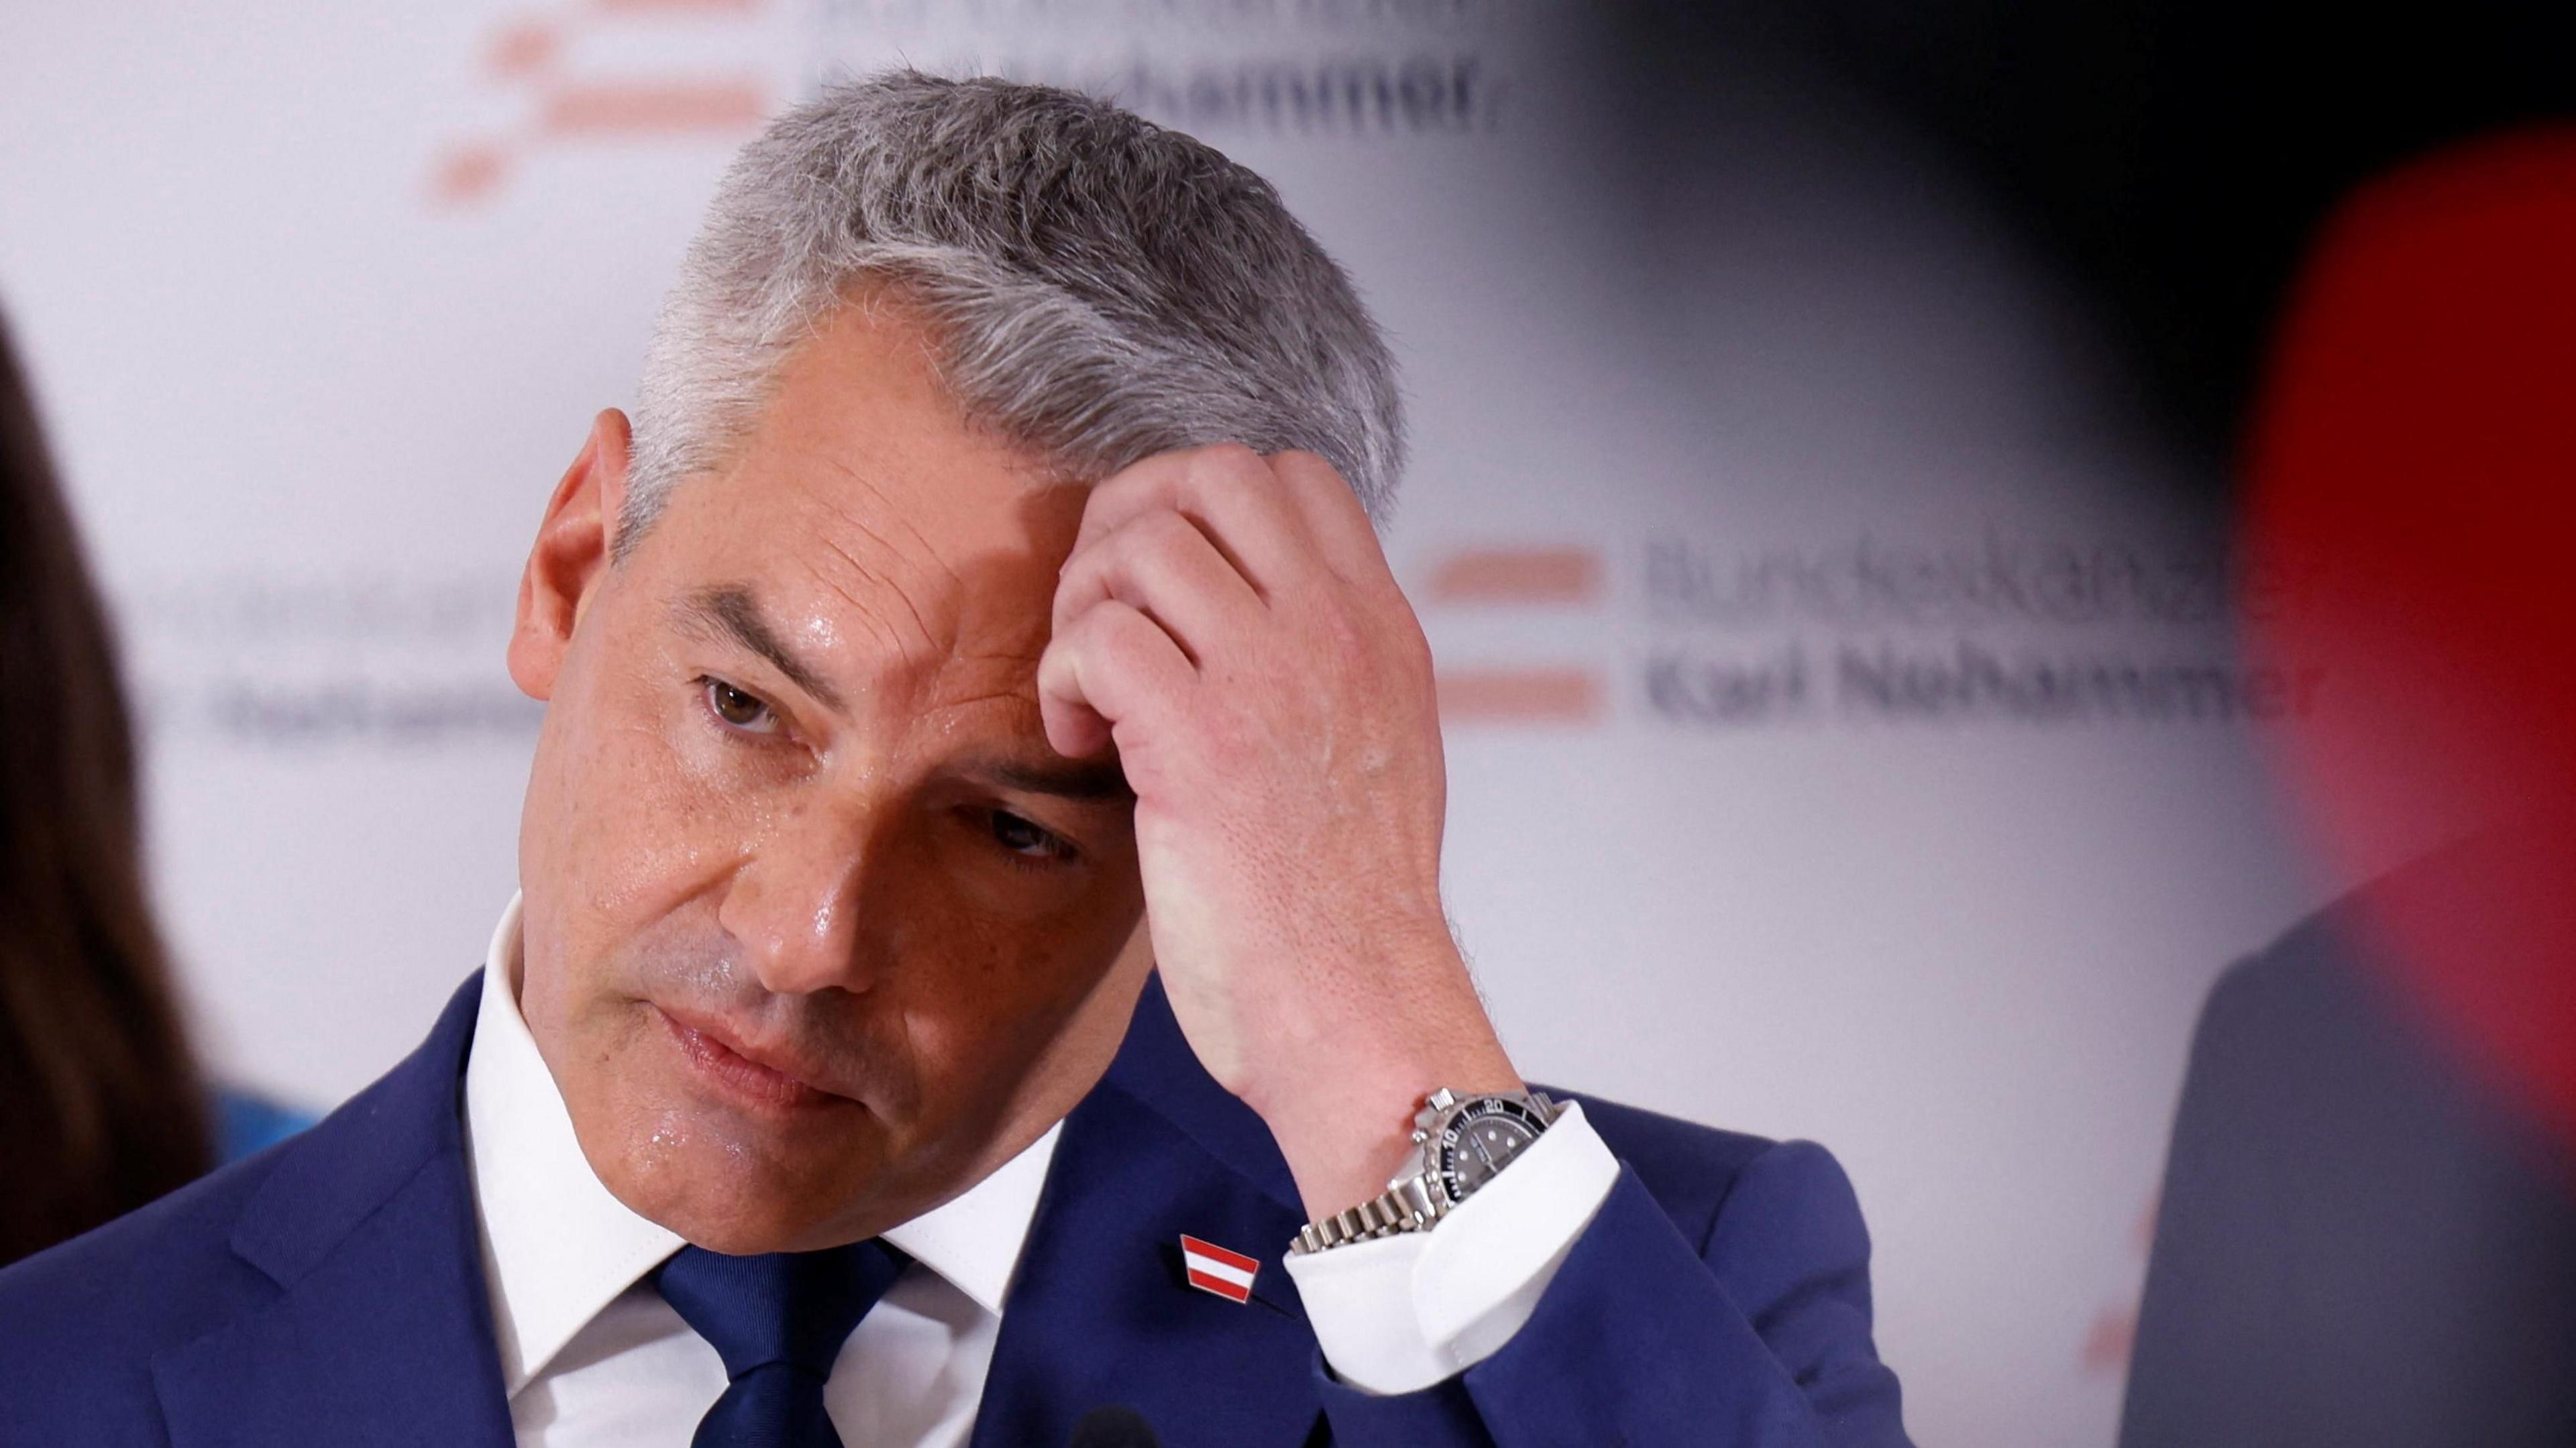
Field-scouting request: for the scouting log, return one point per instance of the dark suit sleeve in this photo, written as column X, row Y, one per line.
column 1757, row 1338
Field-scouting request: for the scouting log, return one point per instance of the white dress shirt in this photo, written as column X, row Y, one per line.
column 591, row 1354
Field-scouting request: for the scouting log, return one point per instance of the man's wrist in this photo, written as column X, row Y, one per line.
column 1342, row 1158
column 1343, row 1117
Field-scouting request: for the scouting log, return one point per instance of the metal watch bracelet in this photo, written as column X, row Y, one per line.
column 1417, row 1199
column 1408, row 1207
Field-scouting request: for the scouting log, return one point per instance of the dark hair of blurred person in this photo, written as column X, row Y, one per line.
column 104, row 1109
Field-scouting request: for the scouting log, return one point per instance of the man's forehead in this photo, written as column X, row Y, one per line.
column 981, row 709
column 866, row 523
column 861, row 430
column 848, row 651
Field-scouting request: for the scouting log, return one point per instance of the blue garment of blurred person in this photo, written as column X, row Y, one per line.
column 246, row 1124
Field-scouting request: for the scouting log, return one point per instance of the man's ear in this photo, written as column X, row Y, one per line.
column 570, row 559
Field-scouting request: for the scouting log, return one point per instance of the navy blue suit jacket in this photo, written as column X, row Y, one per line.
column 330, row 1290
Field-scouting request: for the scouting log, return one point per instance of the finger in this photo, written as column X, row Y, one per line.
column 1163, row 565
column 1333, row 515
column 1230, row 492
column 1109, row 667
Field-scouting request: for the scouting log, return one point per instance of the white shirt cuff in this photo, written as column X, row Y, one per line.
column 1398, row 1314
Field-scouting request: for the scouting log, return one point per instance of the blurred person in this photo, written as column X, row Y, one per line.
column 106, row 1109
column 2360, row 1244
column 979, row 971
column 101, row 1107
column 2367, row 1236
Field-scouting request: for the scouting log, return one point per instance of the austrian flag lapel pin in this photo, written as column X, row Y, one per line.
column 1214, row 1269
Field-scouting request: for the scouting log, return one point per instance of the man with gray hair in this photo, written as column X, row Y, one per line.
column 979, row 973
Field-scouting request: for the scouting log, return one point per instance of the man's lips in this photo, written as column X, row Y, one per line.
column 765, row 1076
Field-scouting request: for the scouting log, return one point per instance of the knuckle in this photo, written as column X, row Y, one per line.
column 1161, row 534
column 1078, row 640
column 1224, row 464
column 1077, row 588
column 1105, row 628
column 1314, row 474
column 1109, row 493
column 1343, row 632
column 1131, row 638
column 1077, row 568
column 1417, row 649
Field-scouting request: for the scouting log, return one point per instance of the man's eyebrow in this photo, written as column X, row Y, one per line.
column 728, row 609
column 1071, row 779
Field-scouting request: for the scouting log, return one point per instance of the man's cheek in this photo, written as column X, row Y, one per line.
column 652, row 833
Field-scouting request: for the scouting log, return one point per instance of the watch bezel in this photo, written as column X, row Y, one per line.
column 1451, row 1132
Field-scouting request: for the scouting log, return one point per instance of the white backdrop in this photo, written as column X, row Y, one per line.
column 1844, row 741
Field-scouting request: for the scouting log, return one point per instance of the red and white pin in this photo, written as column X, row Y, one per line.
column 1214, row 1269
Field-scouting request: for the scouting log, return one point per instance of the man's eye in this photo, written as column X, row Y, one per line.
column 1020, row 837
column 742, row 710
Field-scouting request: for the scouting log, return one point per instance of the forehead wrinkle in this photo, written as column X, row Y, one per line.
column 923, row 548
column 922, row 551
column 1021, row 697
column 826, row 498
column 972, row 681
column 1021, row 724
column 923, row 642
column 1006, row 656
column 902, row 519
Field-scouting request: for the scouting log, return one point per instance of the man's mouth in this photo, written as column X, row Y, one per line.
column 764, row 1077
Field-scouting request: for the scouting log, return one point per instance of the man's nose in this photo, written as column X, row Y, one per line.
column 795, row 906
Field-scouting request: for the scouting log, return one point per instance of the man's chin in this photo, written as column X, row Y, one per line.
column 744, row 1212
column 743, row 1181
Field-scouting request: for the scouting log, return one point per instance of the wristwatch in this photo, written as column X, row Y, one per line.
column 1458, row 1145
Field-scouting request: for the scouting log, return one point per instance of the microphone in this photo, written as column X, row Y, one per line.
column 1113, row 1428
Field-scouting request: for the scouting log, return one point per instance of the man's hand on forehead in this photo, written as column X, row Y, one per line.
column 1229, row 622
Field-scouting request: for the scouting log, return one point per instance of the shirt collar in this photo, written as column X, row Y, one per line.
column 558, row 1247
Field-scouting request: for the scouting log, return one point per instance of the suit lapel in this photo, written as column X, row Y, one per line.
column 380, row 1333
column 1100, row 1312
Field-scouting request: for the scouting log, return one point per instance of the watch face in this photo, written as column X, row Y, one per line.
column 1481, row 1141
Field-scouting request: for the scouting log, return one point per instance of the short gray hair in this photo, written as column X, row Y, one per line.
column 1098, row 288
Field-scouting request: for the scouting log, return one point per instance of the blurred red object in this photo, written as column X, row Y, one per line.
column 2411, row 532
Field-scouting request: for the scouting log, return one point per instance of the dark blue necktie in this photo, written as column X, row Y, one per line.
column 778, row 1321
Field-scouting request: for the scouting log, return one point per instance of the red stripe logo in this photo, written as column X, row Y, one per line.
column 1216, row 1269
